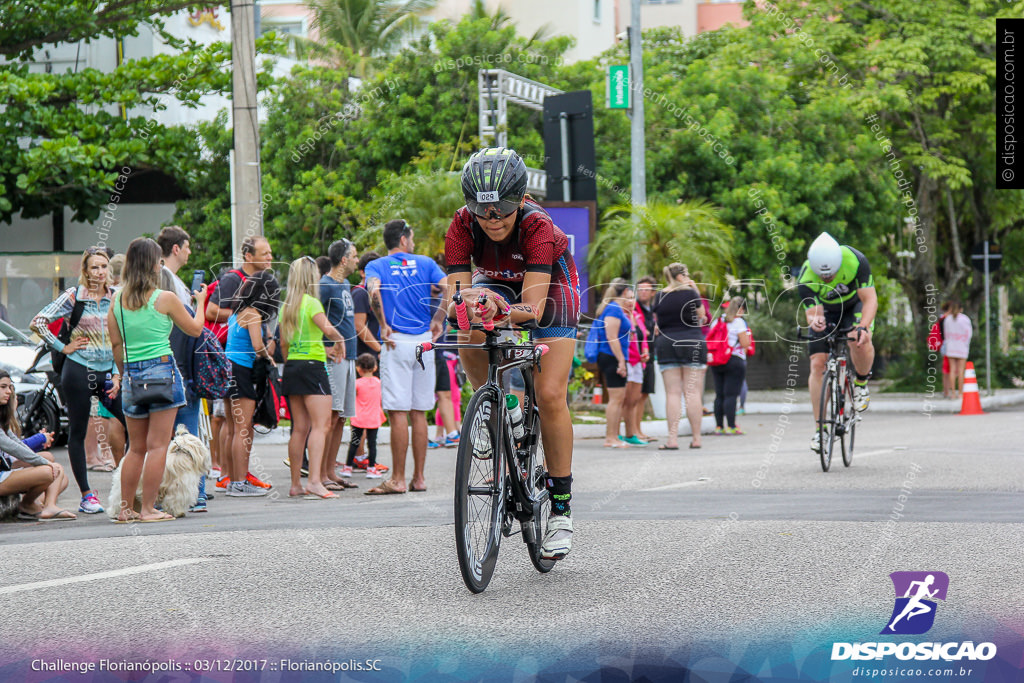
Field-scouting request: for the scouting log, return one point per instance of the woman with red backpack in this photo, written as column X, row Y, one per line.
column 728, row 342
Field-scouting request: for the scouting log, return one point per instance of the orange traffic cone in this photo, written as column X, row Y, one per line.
column 597, row 395
column 971, row 399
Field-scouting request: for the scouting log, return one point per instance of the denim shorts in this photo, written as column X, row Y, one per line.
column 156, row 368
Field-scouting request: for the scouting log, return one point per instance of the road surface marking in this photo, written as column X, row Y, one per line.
column 880, row 451
column 680, row 485
column 101, row 575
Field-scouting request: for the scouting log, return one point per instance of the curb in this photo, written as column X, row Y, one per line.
column 924, row 406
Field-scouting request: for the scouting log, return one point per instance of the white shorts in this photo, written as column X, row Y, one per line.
column 343, row 387
column 635, row 373
column 404, row 385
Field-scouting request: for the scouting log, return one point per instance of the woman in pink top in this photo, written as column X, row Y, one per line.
column 637, row 357
column 956, row 336
column 369, row 414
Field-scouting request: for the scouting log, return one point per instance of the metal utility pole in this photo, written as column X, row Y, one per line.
column 245, row 178
column 638, row 169
column 988, row 325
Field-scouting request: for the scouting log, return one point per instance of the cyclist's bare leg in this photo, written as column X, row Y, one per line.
column 863, row 356
column 474, row 362
column 551, row 386
column 815, row 380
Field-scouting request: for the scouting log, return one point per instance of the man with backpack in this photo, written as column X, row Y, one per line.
column 256, row 256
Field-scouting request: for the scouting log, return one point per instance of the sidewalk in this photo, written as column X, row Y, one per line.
column 758, row 403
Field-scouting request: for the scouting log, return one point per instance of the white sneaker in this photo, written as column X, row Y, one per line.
column 243, row 489
column 374, row 473
column 862, row 398
column 558, row 538
column 90, row 504
column 816, row 441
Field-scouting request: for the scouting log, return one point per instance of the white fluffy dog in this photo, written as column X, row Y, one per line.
column 187, row 460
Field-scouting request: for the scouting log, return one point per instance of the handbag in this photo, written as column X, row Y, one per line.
column 145, row 392
column 265, row 412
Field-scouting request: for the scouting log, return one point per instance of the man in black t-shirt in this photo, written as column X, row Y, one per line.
column 367, row 327
column 256, row 256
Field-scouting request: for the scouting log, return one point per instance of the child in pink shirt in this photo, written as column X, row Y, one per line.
column 369, row 415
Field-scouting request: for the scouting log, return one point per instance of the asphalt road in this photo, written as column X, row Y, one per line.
column 697, row 549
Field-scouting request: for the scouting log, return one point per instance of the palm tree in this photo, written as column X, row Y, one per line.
column 689, row 232
column 501, row 18
column 364, row 28
column 427, row 199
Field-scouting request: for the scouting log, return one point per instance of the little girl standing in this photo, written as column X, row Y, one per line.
column 369, row 415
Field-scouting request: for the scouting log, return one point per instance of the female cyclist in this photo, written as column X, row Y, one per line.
column 526, row 273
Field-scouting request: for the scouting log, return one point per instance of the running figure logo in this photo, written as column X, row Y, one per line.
column 914, row 612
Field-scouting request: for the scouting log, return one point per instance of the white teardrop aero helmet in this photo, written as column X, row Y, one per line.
column 825, row 256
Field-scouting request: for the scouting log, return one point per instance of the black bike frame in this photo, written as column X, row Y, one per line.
column 501, row 358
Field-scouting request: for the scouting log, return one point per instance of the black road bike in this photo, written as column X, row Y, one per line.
column 499, row 480
column 837, row 415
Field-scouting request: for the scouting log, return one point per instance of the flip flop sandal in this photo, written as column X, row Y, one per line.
column 385, row 489
column 317, row 496
column 164, row 518
column 27, row 516
column 418, row 490
column 61, row 516
column 669, row 448
column 333, row 486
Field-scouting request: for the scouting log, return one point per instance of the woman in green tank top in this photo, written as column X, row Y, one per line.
column 304, row 380
column 139, row 322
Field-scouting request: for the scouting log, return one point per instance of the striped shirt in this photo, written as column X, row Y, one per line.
column 96, row 354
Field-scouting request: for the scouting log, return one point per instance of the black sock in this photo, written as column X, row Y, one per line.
column 560, row 489
column 862, row 379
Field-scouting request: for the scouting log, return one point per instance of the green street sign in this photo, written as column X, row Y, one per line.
column 618, row 87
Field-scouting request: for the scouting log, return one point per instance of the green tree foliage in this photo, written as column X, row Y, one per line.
column 922, row 81
column 354, row 32
column 64, row 141
column 689, row 232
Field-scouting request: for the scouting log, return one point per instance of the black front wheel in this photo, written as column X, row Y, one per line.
column 479, row 489
column 827, row 420
column 849, row 418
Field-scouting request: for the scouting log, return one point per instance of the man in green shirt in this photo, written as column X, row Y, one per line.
column 837, row 290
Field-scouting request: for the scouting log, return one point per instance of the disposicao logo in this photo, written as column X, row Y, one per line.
column 914, row 614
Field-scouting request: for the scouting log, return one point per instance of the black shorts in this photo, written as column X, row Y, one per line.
column 680, row 353
column 608, row 366
column 647, row 387
column 246, row 382
column 305, row 378
column 835, row 320
column 442, row 381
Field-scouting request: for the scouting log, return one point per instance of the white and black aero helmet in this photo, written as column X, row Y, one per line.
column 825, row 256
column 494, row 182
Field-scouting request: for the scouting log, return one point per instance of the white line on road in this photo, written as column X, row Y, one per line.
column 101, row 575
column 880, row 451
column 680, row 485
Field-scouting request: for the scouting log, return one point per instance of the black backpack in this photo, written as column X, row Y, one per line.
column 57, row 358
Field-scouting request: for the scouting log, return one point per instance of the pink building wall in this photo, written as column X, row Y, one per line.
column 714, row 15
